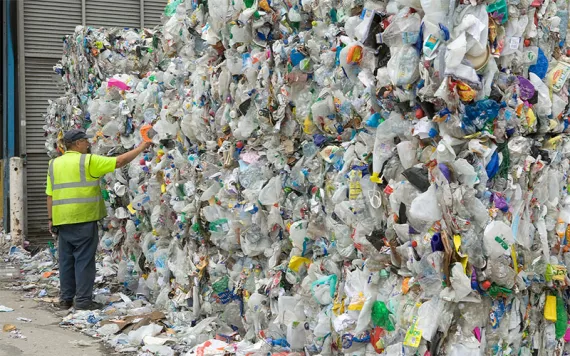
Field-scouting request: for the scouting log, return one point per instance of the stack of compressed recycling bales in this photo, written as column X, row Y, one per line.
column 338, row 177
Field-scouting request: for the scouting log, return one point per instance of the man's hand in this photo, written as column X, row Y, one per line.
column 50, row 227
column 126, row 158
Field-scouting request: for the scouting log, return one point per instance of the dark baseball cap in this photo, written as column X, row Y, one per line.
column 74, row 135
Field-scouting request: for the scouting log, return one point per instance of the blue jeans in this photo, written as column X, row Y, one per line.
column 77, row 248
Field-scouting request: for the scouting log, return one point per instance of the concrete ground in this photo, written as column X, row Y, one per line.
column 44, row 336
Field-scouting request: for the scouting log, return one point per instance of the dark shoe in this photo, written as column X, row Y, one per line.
column 91, row 306
column 64, row 304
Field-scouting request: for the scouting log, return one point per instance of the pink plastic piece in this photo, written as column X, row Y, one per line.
column 477, row 333
column 567, row 335
column 117, row 83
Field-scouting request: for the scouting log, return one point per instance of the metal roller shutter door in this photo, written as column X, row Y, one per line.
column 124, row 13
column 46, row 22
column 153, row 10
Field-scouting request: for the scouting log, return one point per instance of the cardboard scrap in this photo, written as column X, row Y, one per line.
column 9, row 327
column 134, row 322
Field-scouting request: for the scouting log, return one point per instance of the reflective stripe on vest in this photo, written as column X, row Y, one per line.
column 77, row 201
column 82, row 183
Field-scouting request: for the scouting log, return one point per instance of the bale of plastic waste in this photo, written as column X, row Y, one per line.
column 321, row 171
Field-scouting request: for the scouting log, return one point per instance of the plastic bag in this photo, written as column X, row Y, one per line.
column 425, row 206
column 403, row 65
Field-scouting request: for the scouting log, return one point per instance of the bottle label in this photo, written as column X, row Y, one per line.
column 559, row 75
column 502, row 242
column 514, row 42
column 379, row 38
column 410, row 37
column 414, row 335
column 355, row 189
column 431, row 43
column 558, row 273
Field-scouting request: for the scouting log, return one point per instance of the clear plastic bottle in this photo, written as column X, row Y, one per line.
column 444, row 152
column 500, row 272
column 472, row 245
column 140, row 201
column 122, row 272
column 131, row 277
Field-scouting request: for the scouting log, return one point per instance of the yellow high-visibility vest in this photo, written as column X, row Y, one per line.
column 76, row 196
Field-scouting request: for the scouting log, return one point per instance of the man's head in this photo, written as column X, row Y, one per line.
column 77, row 140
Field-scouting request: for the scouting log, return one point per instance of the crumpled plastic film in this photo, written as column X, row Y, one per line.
column 336, row 178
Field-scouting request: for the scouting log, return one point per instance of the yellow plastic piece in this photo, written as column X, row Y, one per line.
column 514, row 257
column 357, row 303
column 355, row 189
column 530, row 117
column 131, row 209
column 308, row 126
column 264, row 5
column 550, row 308
column 354, row 54
column 414, row 335
column 464, row 258
column 297, row 261
column 338, row 307
column 552, row 124
column 559, row 273
column 553, row 142
column 375, row 178
column 475, row 135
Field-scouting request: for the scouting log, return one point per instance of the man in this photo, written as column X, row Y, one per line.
column 75, row 205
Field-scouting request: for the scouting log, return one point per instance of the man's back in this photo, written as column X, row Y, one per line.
column 73, row 184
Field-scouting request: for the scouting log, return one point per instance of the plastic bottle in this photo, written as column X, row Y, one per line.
column 428, row 273
column 122, row 272
column 140, row 201
column 467, row 174
column 407, row 153
column 501, row 273
column 383, row 149
column 444, row 152
column 472, row 245
column 131, row 277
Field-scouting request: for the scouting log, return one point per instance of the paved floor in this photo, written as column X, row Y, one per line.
column 44, row 336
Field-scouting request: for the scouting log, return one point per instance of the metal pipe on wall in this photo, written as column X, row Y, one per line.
column 21, row 64
column 141, row 9
column 9, row 102
column 83, row 15
column 21, row 120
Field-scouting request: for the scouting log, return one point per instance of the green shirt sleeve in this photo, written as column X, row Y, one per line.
column 100, row 165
